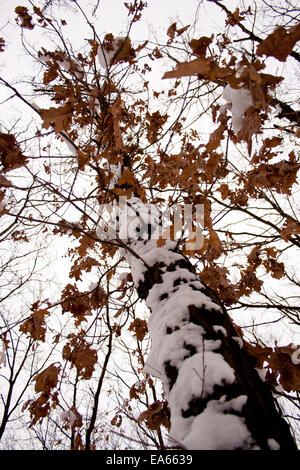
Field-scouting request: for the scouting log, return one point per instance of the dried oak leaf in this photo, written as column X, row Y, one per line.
column 260, row 353
column 157, row 414
column 82, row 356
column 199, row 46
column 172, row 31
column 280, row 176
column 285, row 367
column 11, row 156
column 127, row 178
column 2, row 44
column 139, row 327
column 274, row 267
column 58, row 118
column 280, row 43
column 215, row 138
column 38, row 409
column 289, row 228
column 137, row 389
column 265, row 154
column 251, row 126
column 117, row 420
column 24, row 18
column 213, row 163
column 4, row 181
column 35, row 325
column 203, row 67
column 154, row 123
column 236, row 17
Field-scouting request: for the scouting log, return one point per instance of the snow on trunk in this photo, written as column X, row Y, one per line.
column 216, row 397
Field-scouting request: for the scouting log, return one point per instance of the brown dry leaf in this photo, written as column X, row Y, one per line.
column 82, row 158
column 172, row 31
column 285, row 369
column 160, row 242
column 280, row 43
column 274, row 267
column 4, row 181
column 46, row 380
column 117, row 420
column 198, row 66
column 155, row 122
column 127, row 178
column 2, row 44
column 37, row 409
column 58, row 118
column 137, row 389
column 139, row 327
column 251, row 126
column 81, row 355
column 199, row 46
column 260, row 353
column 124, row 52
column 214, row 240
column 76, row 302
column 116, row 112
column 213, row 163
column 51, row 73
column 157, row 414
column 205, row 68
column 265, row 153
column 236, row 17
column 258, row 96
column 280, row 176
column 215, row 138
column 11, row 156
column 224, row 190
column 82, row 264
column 35, row 325
column 290, row 227
column 24, row 19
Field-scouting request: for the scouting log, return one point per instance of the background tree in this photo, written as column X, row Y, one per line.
column 106, row 134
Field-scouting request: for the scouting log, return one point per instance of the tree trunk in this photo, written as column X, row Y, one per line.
column 216, row 396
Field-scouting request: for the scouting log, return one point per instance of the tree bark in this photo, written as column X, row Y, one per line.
column 216, row 396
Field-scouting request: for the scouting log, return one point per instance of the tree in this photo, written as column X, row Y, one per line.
column 127, row 158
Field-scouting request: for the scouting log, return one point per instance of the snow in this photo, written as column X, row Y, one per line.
column 105, row 57
column 123, row 276
column 296, row 357
column 150, row 254
column 69, row 143
column 239, row 100
column 220, row 328
column 3, row 355
column 197, row 377
column 172, row 312
column 214, row 430
column 116, row 170
column 238, row 340
column 181, row 344
column 68, row 416
column 273, row 445
column 70, row 65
